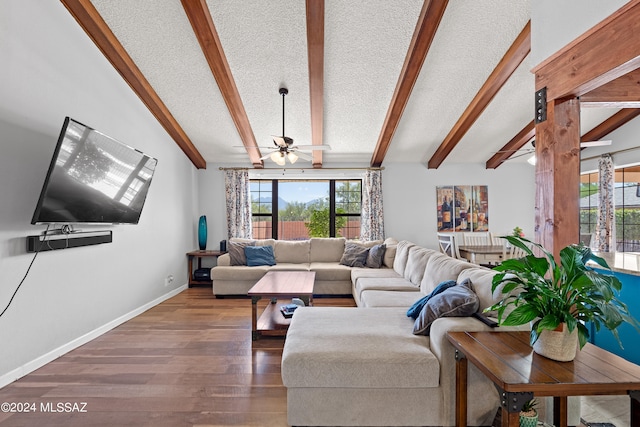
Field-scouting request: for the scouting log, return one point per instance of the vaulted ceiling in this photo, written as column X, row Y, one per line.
column 379, row 81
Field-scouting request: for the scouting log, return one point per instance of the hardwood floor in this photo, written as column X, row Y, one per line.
column 186, row 362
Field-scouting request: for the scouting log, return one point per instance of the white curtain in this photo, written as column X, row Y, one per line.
column 372, row 219
column 605, row 238
column 236, row 187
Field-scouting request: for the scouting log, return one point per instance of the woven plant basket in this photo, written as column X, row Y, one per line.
column 557, row 345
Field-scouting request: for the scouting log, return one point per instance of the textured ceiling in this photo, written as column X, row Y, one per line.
column 366, row 42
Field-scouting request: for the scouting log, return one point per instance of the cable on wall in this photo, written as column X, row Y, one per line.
column 26, row 273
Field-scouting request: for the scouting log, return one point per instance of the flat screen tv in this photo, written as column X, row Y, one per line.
column 93, row 179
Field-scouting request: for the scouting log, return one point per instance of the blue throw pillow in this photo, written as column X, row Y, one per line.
column 259, row 255
column 416, row 308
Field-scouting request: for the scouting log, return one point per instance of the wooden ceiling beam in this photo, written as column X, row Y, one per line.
column 97, row 29
column 622, row 92
column 198, row 13
column 517, row 142
column 604, row 53
column 315, row 49
column 505, row 68
column 609, row 125
column 428, row 22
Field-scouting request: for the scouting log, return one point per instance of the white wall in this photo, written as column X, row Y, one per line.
column 409, row 197
column 555, row 24
column 51, row 69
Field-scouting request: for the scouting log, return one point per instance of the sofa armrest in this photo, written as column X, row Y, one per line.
column 477, row 383
column 224, row 259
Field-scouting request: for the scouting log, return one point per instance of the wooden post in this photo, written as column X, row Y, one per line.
column 557, row 210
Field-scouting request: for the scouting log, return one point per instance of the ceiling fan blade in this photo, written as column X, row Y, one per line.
column 256, row 146
column 595, row 143
column 312, row 147
column 303, row 156
column 519, row 155
column 279, row 141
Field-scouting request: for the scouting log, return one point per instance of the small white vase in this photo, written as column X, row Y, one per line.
column 557, row 345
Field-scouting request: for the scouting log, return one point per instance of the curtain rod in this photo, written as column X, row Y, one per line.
column 381, row 168
column 611, row 152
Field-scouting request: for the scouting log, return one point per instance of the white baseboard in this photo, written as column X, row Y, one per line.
column 29, row 367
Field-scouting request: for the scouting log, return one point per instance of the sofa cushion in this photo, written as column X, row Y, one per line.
column 401, row 257
column 357, row 273
column 416, row 307
column 387, row 284
column 331, row 271
column 380, row 298
column 356, row 348
column 417, row 263
column 355, row 255
column 236, row 252
column 390, row 252
column 441, row 267
column 375, row 257
column 456, row 301
column 292, row 251
column 259, row 255
column 328, row 249
column 290, row 266
column 257, row 242
column 481, row 278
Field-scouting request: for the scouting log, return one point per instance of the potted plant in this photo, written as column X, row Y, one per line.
column 559, row 298
column 529, row 414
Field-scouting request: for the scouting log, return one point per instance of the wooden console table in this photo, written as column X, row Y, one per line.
column 199, row 255
column 519, row 374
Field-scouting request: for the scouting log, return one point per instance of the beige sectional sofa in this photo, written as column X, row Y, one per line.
column 365, row 366
column 321, row 255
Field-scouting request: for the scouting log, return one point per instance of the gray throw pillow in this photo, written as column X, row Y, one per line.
column 236, row 252
column 354, row 255
column 375, row 258
column 456, row 301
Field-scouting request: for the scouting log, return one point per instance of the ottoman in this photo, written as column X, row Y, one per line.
column 359, row 366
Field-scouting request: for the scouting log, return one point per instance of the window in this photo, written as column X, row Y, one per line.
column 306, row 208
column 627, row 207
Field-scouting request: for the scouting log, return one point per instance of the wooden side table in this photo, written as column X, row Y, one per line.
column 507, row 359
column 199, row 255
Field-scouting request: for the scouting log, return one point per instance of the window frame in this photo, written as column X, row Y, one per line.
column 333, row 215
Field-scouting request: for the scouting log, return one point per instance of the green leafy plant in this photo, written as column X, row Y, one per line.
column 548, row 294
column 529, row 408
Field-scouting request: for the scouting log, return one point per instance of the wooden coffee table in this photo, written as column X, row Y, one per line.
column 278, row 284
column 507, row 359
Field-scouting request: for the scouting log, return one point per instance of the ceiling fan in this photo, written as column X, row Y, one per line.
column 284, row 147
column 526, row 151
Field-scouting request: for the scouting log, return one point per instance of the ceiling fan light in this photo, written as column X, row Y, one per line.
column 278, row 158
column 532, row 160
column 293, row 157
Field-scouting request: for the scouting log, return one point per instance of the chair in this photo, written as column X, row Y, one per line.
column 513, row 252
column 477, row 239
column 447, row 244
